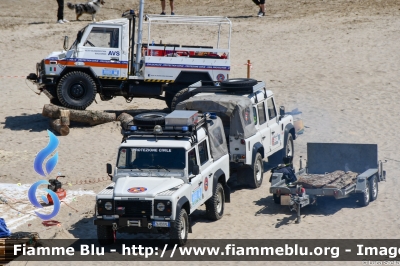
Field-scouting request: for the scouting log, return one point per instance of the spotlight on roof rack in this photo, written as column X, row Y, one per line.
column 185, row 128
column 133, row 128
column 157, row 130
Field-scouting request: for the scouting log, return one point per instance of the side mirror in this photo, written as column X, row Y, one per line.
column 109, row 170
column 281, row 112
column 196, row 170
column 66, row 41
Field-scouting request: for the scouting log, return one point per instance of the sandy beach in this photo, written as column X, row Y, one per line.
column 337, row 62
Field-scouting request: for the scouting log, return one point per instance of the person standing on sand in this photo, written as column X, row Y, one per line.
column 171, row 4
column 261, row 4
column 60, row 12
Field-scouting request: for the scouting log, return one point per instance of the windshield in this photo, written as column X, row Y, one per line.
column 151, row 158
column 78, row 38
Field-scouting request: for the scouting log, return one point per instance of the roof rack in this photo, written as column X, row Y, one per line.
column 164, row 130
column 214, row 87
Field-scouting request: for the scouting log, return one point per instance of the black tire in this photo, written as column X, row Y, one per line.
column 153, row 118
column 105, row 234
column 256, row 178
column 289, row 146
column 373, row 188
column 180, row 229
column 76, row 90
column 238, row 84
column 168, row 99
column 180, row 96
column 365, row 197
column 215, row 205
column 277, row 199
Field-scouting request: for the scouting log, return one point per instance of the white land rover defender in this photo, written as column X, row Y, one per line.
column 165, row 170
column 254, row 129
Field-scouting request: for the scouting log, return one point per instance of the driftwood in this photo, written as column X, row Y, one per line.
column 125, row 118
column 337, row 179
column 90, row 117
column 56, row 125
column 64, row 117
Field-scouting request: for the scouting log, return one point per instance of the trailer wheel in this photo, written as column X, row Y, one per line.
column 105, row 234
column 365, row 197
column 373, row 183
column 215, row 205
column 76, row 90
column 153, row 118
column 238, row 84
column 180, row 229
column 277, row 199
column 256, row 178
column 180, row 96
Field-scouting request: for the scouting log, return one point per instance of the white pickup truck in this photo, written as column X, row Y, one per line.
column 164, row 172
column 254, row 129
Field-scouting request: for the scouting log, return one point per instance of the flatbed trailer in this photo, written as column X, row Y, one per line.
column 323, row 158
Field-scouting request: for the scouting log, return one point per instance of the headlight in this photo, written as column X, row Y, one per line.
column 160, row 206
column 108, row 206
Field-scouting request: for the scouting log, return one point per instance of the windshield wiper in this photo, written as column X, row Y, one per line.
column 160, row 167
column 157, row 167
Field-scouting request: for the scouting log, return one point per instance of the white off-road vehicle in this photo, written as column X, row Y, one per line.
column 106, row 59
column 254, row 129
column 166, row 168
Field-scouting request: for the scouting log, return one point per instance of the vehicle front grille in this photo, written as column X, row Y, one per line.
column 138, row 208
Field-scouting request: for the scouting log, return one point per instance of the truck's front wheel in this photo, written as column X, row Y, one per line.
column 215, row 205
column 105, row 234
column 180, row 229
column 76, row 90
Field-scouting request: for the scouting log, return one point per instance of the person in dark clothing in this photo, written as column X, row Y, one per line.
column 261, row 4
column 60, row 12
column 286, row 169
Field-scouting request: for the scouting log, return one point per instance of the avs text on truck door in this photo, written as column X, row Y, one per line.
column 101, row 49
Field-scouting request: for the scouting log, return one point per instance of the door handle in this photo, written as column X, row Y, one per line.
column 114, row 59
column 273, row 132
column 263, row 137
column 210, row 175
column 201, row 182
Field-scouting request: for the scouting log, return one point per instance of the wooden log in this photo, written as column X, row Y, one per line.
column 125, row 118
column 338, row 179
column 64, row 117
column 343, row 181
column 84, row 116
column 56, row 125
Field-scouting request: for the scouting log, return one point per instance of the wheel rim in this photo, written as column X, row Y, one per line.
column 77, row 91
column 289, row 148
column 258, row 171
column 366, row 194
column 219, row 202
column 183, row 228
column 374, row 188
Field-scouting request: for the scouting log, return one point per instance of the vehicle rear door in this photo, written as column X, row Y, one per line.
column 276, row 135
column 101, row 48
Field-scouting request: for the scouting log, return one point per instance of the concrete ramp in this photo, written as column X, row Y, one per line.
column 329, row 157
